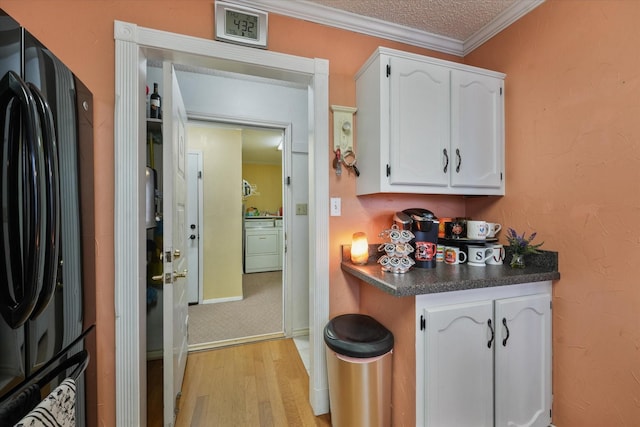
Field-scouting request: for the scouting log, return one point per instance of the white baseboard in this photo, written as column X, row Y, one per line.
column 300, row 332
column 234, row 341
column 217, row 300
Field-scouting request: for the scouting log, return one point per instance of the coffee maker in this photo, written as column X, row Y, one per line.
column 424, row 226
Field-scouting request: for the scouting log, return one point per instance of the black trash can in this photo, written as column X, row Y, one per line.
column 359, row 362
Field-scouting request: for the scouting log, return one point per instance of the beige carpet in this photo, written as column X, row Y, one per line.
column 259, row 313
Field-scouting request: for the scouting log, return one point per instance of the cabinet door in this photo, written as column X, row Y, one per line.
column 477, row 130
column 523, row 361
column 419, row 123
column 459, row 365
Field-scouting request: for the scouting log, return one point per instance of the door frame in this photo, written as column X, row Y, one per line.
column 287, row 200
column 133, row 46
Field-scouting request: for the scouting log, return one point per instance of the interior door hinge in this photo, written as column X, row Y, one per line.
column 199, row 174
column 388, row 170
column 500, row 176
column 423, row 323
column 288, row 180
column 388, row 70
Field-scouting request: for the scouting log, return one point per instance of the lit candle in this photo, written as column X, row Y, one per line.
column 359, row 248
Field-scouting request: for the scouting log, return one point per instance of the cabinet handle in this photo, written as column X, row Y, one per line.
column 459, row 160
column 504, row 341
column 492, row 333
column 446, row 157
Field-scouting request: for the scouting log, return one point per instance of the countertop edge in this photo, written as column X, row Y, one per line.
column 448, row 278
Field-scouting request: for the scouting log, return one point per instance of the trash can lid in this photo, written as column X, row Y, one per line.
column 357, row 335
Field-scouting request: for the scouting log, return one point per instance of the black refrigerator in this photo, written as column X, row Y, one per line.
column 47, row 271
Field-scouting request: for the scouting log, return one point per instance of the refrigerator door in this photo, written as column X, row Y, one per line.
column 12, row 369
column 60, row 321
column 10, row 47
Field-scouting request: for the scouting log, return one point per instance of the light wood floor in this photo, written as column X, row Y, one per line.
column 259, row 384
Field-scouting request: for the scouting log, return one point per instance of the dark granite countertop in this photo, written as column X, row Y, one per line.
column 447, row 278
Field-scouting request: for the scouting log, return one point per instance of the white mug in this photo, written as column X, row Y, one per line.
column 497, row 255
column 477, row 230
column 494, row 227
column 479, row 255
column 453, row 255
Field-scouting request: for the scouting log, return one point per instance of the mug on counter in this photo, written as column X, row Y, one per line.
column 494, row 227
column 455, row 229
column 479, row 255
column 441, row 231
column 453, row 255
column 477, row 230
column 497, row 254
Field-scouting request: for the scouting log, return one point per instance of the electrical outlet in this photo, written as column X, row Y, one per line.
column 301, row 209
column 335, row 206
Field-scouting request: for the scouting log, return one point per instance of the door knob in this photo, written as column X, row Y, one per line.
column 177, row 275
column 168, row 278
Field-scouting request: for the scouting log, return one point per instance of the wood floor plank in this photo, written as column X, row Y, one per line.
column 260, row 384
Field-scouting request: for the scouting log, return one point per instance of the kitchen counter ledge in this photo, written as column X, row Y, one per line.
column 448, row 278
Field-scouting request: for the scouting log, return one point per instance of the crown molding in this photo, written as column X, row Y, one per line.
column 499, row 23
column 319, row 14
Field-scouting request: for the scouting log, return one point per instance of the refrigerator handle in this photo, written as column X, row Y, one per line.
column 21, row 266
column 52, row 211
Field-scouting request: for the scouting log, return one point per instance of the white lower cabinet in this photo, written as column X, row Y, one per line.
column 484, row 359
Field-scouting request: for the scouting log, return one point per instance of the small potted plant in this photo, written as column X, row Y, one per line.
column 521, row 246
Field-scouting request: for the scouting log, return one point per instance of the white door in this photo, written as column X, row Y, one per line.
column 419, row 97
column 175, row 313
column 523, row 361
column 459, row 365
column 194, row 179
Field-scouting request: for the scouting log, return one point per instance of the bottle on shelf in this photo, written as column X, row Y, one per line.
column 156, row 103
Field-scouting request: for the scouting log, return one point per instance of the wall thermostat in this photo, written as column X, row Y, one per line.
column 241, row 25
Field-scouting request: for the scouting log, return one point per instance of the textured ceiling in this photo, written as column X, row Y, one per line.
column 450, row 26
column 457, row 19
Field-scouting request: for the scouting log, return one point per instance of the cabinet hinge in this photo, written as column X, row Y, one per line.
column 423, row 323
column 388, row 70
column 199, row 174
column 500, row 176
column 388, row 170
column 550, row 305
column 500, row 91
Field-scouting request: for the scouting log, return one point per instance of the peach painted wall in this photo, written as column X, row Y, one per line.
column 573, row 174
column 81, row 34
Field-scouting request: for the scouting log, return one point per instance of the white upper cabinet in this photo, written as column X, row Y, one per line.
column 419, row 128
column 428, row 126
column 477, row 131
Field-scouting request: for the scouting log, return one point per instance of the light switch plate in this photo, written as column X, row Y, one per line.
column 301, row 209
column 336, row 206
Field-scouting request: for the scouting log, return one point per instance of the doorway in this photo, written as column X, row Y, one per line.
column 242, row 168
column 134, row 46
